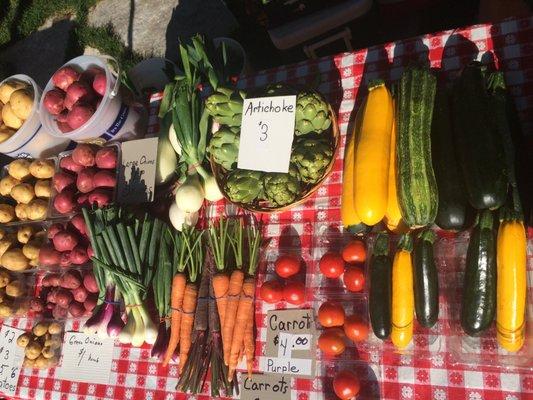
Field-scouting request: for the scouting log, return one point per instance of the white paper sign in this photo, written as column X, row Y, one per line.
column 292, row 366
column 86, row 358
column 267, row 129
column 11, row 359
column 287, row 342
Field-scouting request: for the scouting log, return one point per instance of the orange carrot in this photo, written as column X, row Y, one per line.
column 220, row 288
column 176, row 300
column 249, row 343
column 234, row 291
column 187, row 320
column 241, row 352
column 246, row 302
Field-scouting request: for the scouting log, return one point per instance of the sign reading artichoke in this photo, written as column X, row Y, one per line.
column 314, row 144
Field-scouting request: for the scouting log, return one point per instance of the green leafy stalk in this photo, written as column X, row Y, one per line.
column 236, row 241
column 253, row 236
column 218, row 242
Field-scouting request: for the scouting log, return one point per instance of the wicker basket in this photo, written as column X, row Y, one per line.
column 263, row 206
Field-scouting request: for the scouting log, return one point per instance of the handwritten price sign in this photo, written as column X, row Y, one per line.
column 11, row 359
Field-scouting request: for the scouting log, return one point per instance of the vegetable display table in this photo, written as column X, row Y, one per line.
column 425, row 373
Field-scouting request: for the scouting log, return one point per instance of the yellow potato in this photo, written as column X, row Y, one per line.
column 4, row 278
column 28, row 363
column 10, row 118
column 34, row 263
column 6, row 184
column 37, row 209
column 24, row 339
column 23, row 193
column 54, row 328
column 19, row 168
column 21, row 211
column 33, row 350
column 2, row 233
column 21, row 102
column 42, row 169
column 15, row 289
column 14, row 260
column 42, row 188
column 40, row 329
column 6, row 310
column 25, row 233
column 7, row 213
column 5, row 132
column 5, row 244
column 31, row 250
column 7, row 89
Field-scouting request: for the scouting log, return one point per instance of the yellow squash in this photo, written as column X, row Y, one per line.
column 403, row 300
column 372, row 155
column 511, row 284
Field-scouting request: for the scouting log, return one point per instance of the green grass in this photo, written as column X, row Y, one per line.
column 23, row 17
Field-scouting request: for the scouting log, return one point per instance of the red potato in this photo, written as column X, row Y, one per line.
column 69, row 103
column 64, row 77
column 88, row 75
column 59, row 312
column 62, row 117
column 89, row 282
column 79, row 114
column 36, row 305
column 71, row 280
column 50, row 306
column 55, row 229
column 65, row 259
column 100, row 83
column 101, row 197
column 79, row 223
column 54, row 279
column 90, row 252
column 48, row 256
column 63, row 297
column 83, row 199
column 45, row 282
column 54, row 101
column 80, row 91
column 80, row 294
column 79, row 255
column 65, row 241
column 76, row 309
column 85, row 181
column 84, row 154
column 51, row 296
column 90, row 303
column 64, row 127
column 63, row 180
column 70, row 165
column 105, row 179
column 64, row 202
column 106, row 158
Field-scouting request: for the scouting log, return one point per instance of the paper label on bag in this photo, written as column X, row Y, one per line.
column 265, row 387
column 136, row 180
column 267, row 130
column 11, row 359
column 86, row 358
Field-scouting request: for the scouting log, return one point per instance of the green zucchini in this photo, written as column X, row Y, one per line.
column 479, row 289
column 417, row 187
column 454, row 212
column 380, row 297
column 426, row 280
column 479, row 146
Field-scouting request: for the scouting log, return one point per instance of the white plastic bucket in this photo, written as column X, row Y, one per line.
column 32, row 139
column 113, row 120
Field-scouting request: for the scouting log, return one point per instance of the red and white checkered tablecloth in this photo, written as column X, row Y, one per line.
column 430, row 370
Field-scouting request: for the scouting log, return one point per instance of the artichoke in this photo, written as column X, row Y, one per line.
column 282, row 189
column 224, row 147
column 311, row 157
column 244, row 186
column 225, row 106
column 312, row 114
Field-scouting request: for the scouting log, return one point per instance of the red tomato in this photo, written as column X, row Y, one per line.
column 331, row 342
column 331, row 314
column 294, row 292
column 271, row 291
column 331, row 265
column 346, row 385
column 355, row 328
column 354, row 252
column 287, row 266
column 354, row 279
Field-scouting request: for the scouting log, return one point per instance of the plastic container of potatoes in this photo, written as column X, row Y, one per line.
column 25, row 190
column 20, row 246
column 15, row 293
column 42, row 344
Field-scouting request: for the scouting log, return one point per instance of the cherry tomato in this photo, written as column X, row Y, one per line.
column 331, row 314
column 354, row 252
column 346, row 385
column 287, row 266
column 354, row 279
column 271, row 291
column 355, row 328
column 331, row 342
column 331, row 265
column 294, row 292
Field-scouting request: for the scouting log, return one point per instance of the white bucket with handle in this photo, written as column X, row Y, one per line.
column 32, row 139
column 113, row 120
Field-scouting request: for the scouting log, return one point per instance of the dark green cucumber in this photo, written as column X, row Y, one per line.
column 380, row 297
column 417, row 187
column 454, row 212
column 426, row 280
column 479, row 289
column 359, row 229
column 478, row 145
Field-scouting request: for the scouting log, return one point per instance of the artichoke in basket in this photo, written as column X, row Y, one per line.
column 312, row 114
column 224, row 147
column 311, row 157
column 225, row 106
column 282, row 189
column 244, row 186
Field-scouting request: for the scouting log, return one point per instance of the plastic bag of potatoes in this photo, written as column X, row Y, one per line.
column 20, row 251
